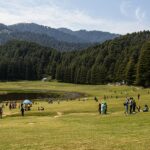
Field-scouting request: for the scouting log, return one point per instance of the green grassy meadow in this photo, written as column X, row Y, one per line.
column 76, row 125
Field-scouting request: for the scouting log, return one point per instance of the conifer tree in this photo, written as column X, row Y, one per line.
column 143, row 71
column 130, row 72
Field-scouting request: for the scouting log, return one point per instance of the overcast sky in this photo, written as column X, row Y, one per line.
column 117, row 16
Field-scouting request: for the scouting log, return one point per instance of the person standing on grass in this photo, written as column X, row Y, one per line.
column 104, row 108
column 1, row 112
column 134, row 105
column 126, row 105
column 105, row 112
column 22, row 110
column 99, row 108
column 131, row 104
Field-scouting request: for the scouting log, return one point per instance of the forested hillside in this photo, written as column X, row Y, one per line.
column 26, row 61
column 42, row 39
column 50, row 37
column 90, row 36
column 125, row 58
column 115, row 60
column 81, row 36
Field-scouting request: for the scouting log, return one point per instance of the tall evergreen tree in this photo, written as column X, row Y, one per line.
column 130, row 72
column 143, row 71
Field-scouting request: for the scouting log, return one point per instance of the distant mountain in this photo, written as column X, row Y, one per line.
column 90, row 36
column 39, row 29
column 61, row 39
column 66, row 35
column 41, row 39
column 2, row 26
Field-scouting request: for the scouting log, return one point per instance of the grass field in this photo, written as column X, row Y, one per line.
column 76, row 125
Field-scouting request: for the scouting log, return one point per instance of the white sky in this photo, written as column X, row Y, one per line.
column 116, row 16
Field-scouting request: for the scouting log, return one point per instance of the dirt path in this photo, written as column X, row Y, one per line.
column 9, row 114
column 59, row 114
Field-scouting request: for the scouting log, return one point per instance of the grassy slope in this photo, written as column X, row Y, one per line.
column 77, row 126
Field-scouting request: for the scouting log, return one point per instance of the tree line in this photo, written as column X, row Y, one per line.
column 124, row 58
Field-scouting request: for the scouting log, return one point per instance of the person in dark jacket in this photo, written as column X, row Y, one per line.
column 131, row 104
column 126, row 105
column 134, row 105
column 22, row 110
column 99, row 108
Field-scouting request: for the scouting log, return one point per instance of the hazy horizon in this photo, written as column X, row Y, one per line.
column 120, row 16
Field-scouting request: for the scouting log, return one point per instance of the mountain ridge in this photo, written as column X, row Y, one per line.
column 75, row 40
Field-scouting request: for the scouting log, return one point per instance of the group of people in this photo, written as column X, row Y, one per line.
column 102, row 108
column 131, row 106
column 12, row 105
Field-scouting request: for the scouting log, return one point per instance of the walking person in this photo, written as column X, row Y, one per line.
column 22, row 110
